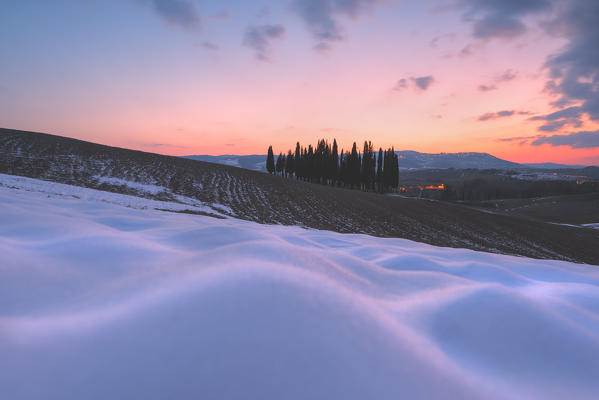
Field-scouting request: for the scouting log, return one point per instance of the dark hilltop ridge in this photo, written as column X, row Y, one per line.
column 268, row 199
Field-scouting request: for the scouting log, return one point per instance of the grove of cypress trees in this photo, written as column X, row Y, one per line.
column 324, row 164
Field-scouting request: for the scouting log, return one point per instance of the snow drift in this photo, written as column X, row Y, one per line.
column 101, row 296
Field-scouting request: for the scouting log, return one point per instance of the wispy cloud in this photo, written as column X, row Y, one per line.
column 501, row 114
column 439, row 38
column 486, row 88
column 180, row 13
column 321, row 17
column 505, row 76
column 258, row 38
column 520, row 139
column 209, row 46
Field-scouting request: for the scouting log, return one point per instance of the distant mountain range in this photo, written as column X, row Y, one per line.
column 407, row 160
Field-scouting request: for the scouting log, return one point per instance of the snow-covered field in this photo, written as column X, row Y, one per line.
column 103, row 297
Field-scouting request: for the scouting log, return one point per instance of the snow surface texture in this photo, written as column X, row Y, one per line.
column 103, row 301
column 59, row 190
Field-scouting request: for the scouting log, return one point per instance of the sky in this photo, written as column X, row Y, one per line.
column 515, row 78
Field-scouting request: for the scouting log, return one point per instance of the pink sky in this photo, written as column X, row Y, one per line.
column 157, row 87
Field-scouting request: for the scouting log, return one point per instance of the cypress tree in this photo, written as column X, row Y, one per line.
column 270, row 161
column 280, row 167
column 334, row 163
column 379, row 171
column 368, row 167
column 395, row 169
column 290, row 164
column 341, row 170
column 387, row 171
column 354, row 167
column 310, row 170
column 297, row 160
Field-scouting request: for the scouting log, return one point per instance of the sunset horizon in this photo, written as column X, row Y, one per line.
column 185, row 77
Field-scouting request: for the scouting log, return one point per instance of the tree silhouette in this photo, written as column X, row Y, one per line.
column 379, row 171
column 270, row 161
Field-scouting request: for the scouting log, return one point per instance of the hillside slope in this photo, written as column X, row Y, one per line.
column 259, row 197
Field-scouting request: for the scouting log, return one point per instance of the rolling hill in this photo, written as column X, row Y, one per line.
column 260, row 197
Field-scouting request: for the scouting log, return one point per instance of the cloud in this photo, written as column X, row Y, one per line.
column 486, row 88
column 505, row 76
column 577, row 140
column 322, row 47
column 321, row 17
column 574, row 69
column 209, row 46
column 467, row 51
column 501, row 114
column 520, row 139
column 422, row 83
column 500, row 18
column 258, row 37
column 180, row 13
column 559, row 119
column 447, row 36
column 401, row 84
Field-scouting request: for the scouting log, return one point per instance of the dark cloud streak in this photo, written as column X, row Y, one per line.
column 577, row 140
column 501, row 114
